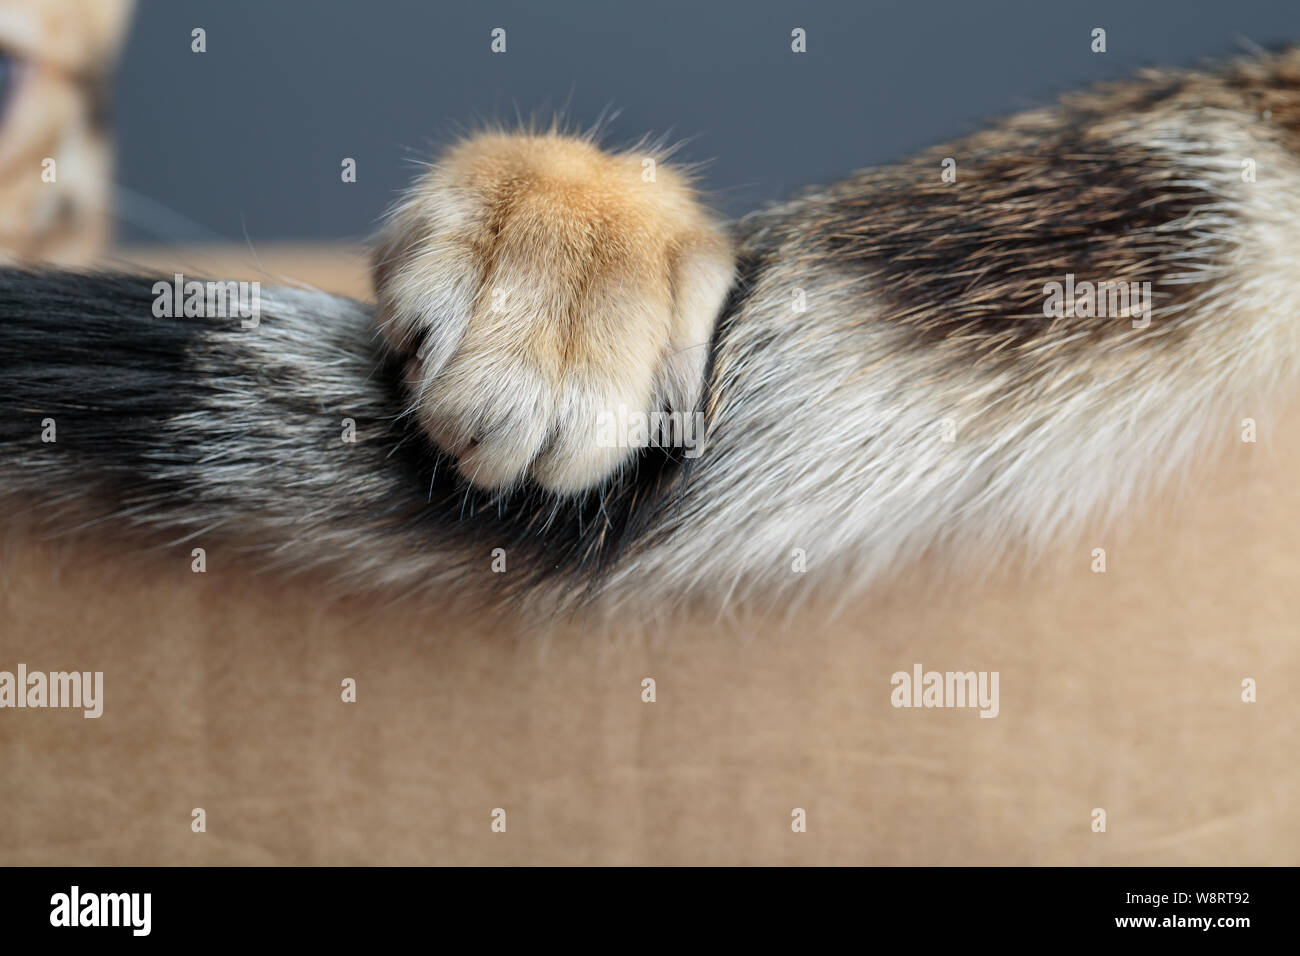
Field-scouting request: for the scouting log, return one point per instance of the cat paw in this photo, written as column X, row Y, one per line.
column 536, row 286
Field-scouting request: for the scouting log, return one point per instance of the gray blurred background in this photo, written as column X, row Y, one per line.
column 247, row 138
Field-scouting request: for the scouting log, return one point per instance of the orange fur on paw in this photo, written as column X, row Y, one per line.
column 539, row 283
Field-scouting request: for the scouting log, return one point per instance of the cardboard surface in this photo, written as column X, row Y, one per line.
column 1119, row 691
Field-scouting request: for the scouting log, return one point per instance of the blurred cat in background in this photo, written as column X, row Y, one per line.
column 56, row 58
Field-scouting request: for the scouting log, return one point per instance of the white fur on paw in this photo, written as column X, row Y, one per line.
column 547, row 294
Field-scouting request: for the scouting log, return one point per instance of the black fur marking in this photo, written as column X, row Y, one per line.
column 85, row 351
